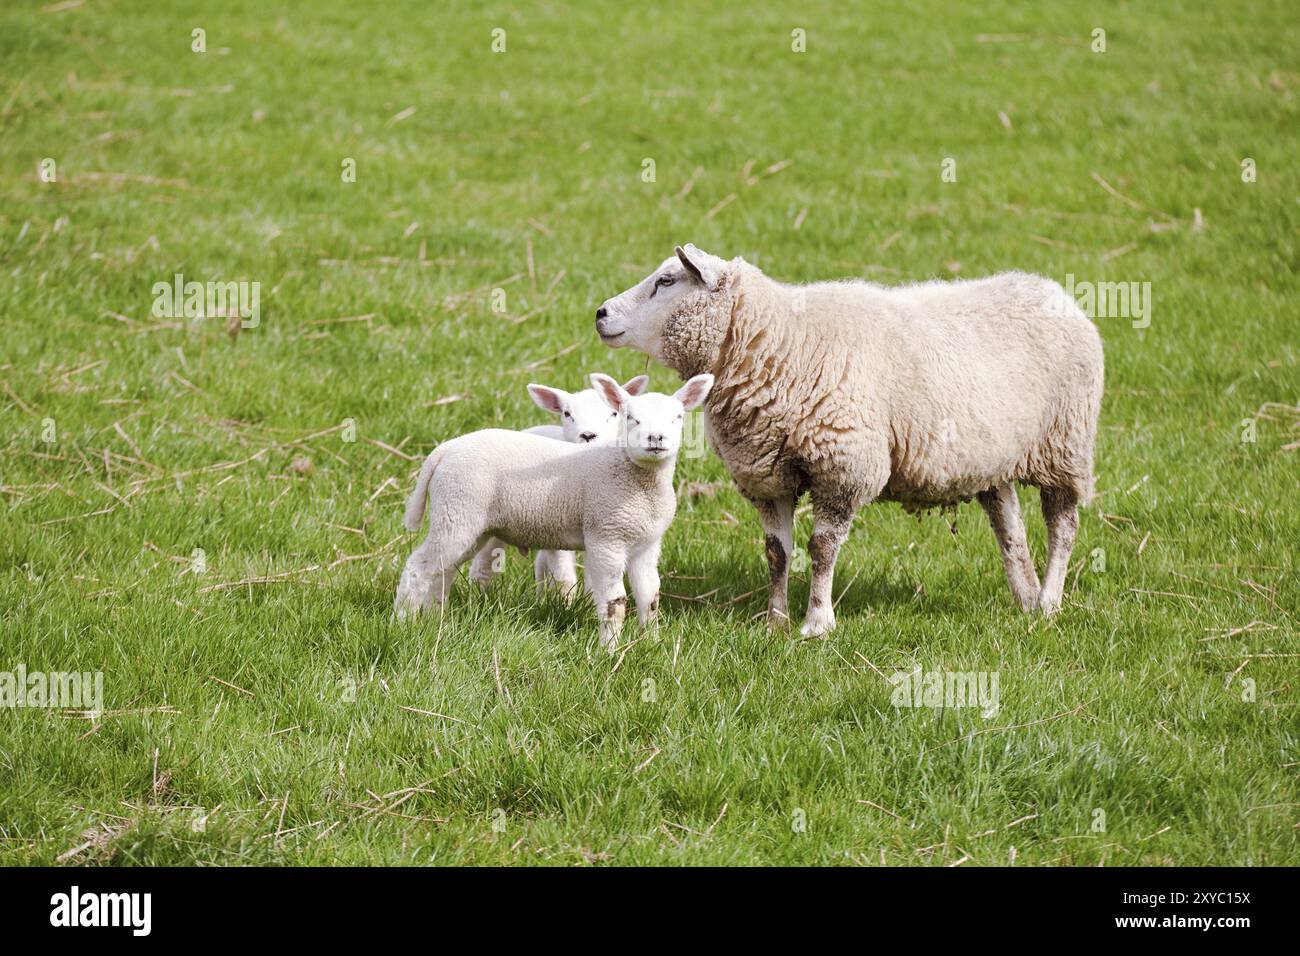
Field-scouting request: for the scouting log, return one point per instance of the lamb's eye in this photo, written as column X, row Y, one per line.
column 665, row 280
column 567, row 415
column 613, row 414
column 632, row 421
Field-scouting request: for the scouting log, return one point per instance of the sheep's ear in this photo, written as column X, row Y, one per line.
column 636, row 386
column 697, row 264
column 694, row 391
column 609, row 390
column 547, row 398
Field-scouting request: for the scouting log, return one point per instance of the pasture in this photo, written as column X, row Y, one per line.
column 207, row 512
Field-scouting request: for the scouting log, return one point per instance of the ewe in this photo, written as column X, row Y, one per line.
column 584, row 419
column 614, row 501
column 927, row 394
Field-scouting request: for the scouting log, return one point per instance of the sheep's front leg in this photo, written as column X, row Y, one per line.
column 1061, row 513
column 830, row 528
column 643, row 573
column 777, row 517
column 605, row 573
column 1003, row 509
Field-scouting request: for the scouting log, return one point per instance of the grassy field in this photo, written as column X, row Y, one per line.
column 151, row 463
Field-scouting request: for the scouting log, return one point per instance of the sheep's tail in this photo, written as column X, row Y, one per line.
column 416, row 504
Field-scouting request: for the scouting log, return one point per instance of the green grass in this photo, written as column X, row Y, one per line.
column 1130, row 701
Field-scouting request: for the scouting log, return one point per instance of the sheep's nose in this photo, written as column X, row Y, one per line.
column 654, row 439
column 588, row 436
column 602, row 312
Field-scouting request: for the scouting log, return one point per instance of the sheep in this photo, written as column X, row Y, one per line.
column 615, row 501
column 584, row 418
column 926, row 394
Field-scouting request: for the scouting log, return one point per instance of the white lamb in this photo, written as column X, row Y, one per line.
column 927, row 394
column 614, row 501
column 584, row 419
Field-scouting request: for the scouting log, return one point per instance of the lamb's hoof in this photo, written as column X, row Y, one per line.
column 1048, row 605
column 817, row 622
column 777, row 620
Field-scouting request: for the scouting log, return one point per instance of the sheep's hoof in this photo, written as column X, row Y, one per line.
column 817, row 622
column 777, row 620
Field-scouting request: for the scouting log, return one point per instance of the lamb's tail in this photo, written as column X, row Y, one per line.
column 419, row 499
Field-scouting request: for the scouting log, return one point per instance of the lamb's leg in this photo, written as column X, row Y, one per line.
column 430, row 571
column 1061, row 513
column 558, row 568
column 605, row 573
column 488, row 562
column 1003, row 508
column 832, row 520
column 643, row 572
column 415, row 585
column 777, row 517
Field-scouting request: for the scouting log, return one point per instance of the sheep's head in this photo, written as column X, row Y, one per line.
column 678, row 314
column 652, row 423
column 584, row 416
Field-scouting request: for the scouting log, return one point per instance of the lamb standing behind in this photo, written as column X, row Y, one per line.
column 615, row 501
column 928, row 395
column 585, row 418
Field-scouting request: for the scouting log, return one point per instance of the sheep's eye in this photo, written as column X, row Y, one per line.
column 613, row 414
column 632, row 420
column 664, row 280
column 567, row 415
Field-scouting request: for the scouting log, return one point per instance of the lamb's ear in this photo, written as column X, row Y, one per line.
column 609, row 390
column 636, row 386
column 547, row 398
column 694, row 391
column 697, row 264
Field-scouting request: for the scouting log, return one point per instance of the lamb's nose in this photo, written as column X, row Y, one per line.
column 654, row 439
column 588, row 436
column 602, row 312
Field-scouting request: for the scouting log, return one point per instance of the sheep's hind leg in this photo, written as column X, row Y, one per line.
column 1061, row 513
column 558, row 568
column 430, row 572
column 1003, row 508
column 777, row 517
column 832, row 521
column 488, row 562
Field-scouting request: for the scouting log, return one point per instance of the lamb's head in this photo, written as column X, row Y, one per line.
column 584, row 416
column 678, row 314
column 652, row 423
